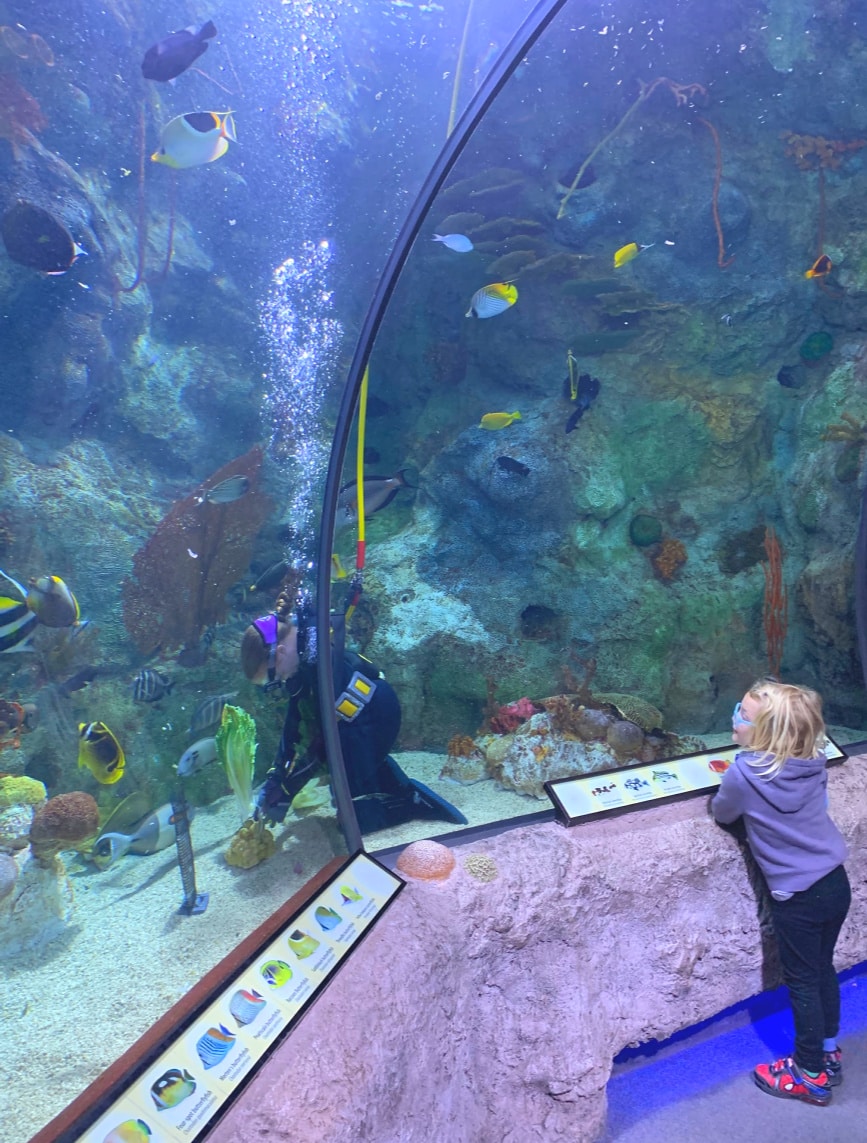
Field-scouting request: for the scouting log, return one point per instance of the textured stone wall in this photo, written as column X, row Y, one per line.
column 490, row 1011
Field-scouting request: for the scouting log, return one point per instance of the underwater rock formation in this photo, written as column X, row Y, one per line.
column 37, row 905
column 252, row 844
column 568, row 738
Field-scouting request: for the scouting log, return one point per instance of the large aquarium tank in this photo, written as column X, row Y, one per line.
column 610, row 438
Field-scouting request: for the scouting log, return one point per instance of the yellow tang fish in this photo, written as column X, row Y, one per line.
column 100, row 753
column 196, row 138
column 627, row 253
column 492, row 300
column 498, row 420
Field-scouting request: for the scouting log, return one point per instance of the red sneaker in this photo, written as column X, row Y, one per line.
column 785, row 1079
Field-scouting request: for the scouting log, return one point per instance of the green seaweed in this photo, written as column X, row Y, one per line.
column 236, row 749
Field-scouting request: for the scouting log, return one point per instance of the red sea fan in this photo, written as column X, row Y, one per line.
column 21, row 117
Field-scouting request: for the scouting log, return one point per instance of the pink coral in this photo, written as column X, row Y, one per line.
column 512, row 715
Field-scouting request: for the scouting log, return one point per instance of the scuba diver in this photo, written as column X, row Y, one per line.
column 278, row 651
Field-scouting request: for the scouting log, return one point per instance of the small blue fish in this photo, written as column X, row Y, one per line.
column 457, row 242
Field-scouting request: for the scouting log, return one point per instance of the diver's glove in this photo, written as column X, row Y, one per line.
column 273, row 800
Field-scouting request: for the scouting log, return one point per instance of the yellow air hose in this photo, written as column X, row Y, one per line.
column 359, row 486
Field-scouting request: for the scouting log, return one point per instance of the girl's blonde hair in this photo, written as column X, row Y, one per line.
column 789, row 725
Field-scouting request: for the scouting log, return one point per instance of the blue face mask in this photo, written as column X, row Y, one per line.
column 738, row 719
column 267, row 626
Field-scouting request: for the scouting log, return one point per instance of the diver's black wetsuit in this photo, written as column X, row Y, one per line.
column 383, row 795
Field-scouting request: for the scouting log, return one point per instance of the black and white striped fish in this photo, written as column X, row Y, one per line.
column 209, row 712
column 150, row 685
column 17, row 625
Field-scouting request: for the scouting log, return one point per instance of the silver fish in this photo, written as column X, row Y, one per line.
column 153, row 833
column 232, row 488
column 150, row 685
column 379, row 491
column 209, row 712
column 197, row 757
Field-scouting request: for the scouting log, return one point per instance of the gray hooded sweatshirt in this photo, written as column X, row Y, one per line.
column 788, row 827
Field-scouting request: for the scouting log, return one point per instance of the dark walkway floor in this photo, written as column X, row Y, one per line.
column 697, row 1089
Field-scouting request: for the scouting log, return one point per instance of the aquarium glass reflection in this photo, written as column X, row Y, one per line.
column 612, row 458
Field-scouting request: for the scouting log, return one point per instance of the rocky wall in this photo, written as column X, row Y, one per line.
column 488, row 1007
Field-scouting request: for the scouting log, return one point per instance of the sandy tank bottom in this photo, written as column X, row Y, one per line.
column 68, row 1010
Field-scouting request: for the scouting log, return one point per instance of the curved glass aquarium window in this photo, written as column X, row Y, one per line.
column 191, row 224
column 616, row 421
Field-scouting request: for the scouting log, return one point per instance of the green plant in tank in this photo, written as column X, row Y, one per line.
column 236, row 749
column 645, row 530
column 816, row 346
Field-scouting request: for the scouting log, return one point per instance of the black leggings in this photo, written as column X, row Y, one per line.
column 807, row 927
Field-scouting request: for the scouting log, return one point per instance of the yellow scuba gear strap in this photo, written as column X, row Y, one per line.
column 359, row 486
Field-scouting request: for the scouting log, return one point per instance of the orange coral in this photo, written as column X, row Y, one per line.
column 812, row 152
column 668, row 559
column 426, row 861
column 461, row 746
column 61, row 823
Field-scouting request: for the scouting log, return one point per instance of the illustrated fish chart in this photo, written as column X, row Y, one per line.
column 588, row 796
column 176, row 1098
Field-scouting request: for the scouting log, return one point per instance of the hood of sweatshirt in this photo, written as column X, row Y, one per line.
column 789, row 791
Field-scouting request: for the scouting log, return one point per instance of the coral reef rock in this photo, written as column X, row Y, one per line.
column 36, row 908
column 569, row 738
column 479, row 1014
column 252, row 844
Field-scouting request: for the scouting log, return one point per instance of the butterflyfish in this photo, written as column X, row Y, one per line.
column 457, row 242
column 130, row 1131
column 492, row 300
column 36, row 239
column 628, row 252
column 498, row 420
column 822, row 266
column 227, row 491
column 172, row 1088
column 338, row 571
column 100, row 752
column 174, row 54
column 196, row 138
